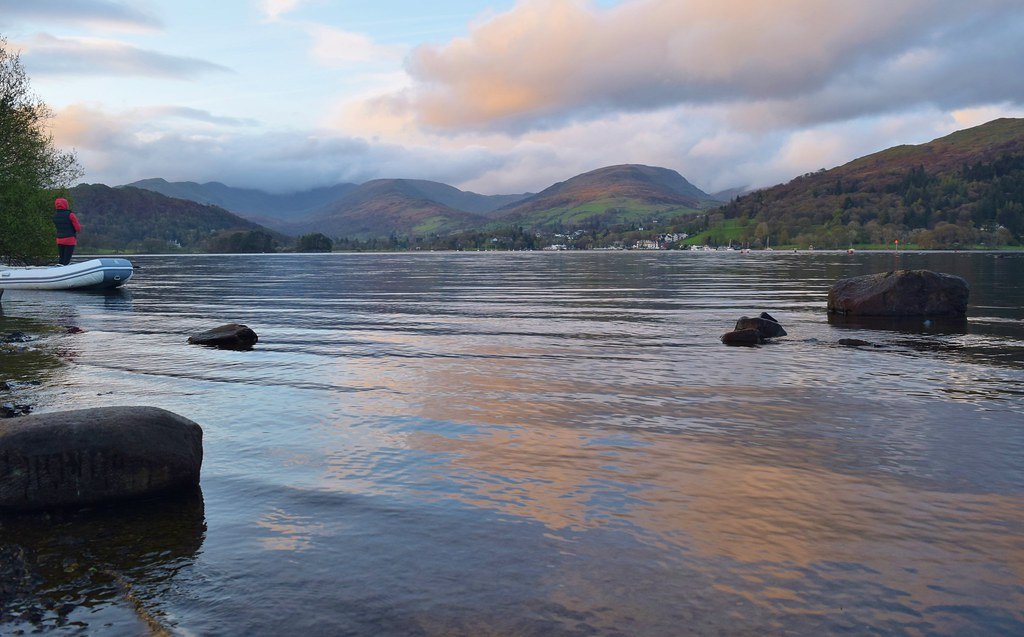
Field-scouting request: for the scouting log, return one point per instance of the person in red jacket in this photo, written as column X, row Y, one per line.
column 67, row 229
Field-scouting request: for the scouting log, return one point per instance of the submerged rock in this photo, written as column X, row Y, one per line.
column 900, row 293
column 86, row 456
column 13, row 410
column 746, row 337
column 230, row 336
column 15, row 337
column 855, row 342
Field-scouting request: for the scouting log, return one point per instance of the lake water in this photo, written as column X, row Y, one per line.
column 536, row 444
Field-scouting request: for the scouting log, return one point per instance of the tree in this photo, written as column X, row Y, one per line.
column 315, row 242
column 32, row 170
column 241, row 242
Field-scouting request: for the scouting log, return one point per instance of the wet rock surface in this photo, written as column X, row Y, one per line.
column 13, row 410
column 746, row 337
column 902, row 293
column 86, row 456
column 231, row 336
column 768, row 327
column 754, row 331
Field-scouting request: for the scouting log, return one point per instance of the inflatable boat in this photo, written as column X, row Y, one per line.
column 94, row 274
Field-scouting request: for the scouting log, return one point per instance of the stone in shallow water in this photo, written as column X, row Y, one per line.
column 230, row 336
column 746, row 337
column 769, row 328
column 85, row 456
column 900, row 293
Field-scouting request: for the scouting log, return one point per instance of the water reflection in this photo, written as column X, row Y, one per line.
column 27, row 357
column 558, row 444
column 903, row 324
column 64, row 568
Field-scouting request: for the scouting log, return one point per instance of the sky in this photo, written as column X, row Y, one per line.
column 507, row 96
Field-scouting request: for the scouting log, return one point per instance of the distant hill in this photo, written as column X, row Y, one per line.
column 615, row 194
column 128, row 218
column 384, row 207
column 267, row 208
column 447, row 195
column 406, row 207
column 730, row 193
column 962, row 189
column 285, row 211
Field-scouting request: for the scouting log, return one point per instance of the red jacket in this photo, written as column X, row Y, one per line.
column 65, row 224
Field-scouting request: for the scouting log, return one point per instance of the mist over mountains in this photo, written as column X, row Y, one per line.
column 963, row 189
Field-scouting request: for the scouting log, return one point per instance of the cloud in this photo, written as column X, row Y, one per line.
column 104, row 13
column 340, row 48
column 182, row 144
column 274, row 9
column 194, row 114
column 546, row 62
column 960, row 74
column 120, row 147
column 49, row 55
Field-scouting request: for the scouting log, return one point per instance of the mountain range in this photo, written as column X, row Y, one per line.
column 384, row 207
column 964, row 188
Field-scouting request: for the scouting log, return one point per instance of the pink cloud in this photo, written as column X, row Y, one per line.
column 546, row 61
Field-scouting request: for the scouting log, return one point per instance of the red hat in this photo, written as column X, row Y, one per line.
column 60, row 204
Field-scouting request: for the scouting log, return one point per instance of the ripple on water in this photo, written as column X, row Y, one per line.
column 540, row 444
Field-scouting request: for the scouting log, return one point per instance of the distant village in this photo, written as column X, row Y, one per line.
column 660, row 242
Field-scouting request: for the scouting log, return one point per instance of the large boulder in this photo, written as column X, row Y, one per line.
column 900, row 293
column 87, row 456
column 230, row 336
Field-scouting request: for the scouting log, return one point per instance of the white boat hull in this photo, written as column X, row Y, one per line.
column 94, row 274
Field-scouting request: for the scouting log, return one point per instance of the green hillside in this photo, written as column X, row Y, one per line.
column 608, row 196
column 386, row 207
column 961, row 190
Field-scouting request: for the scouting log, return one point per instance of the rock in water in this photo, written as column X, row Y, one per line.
column 743, row 337
column 768, row 327
column 900, row 293
column 230, row 336
column 86, row 456
column 854, row 342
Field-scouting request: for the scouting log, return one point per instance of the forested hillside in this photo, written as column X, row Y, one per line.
column 606, row 197
column 134, row 219
column 961, row 190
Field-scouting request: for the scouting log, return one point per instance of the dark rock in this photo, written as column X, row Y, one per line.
column 4, row 386
column 12, row 410
column 746, row 337
column 854, row 342
column 86, row 456
column 900, row 293
column 230, row 336
column 768, row 317
column 769, row 328
column 73, row 329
